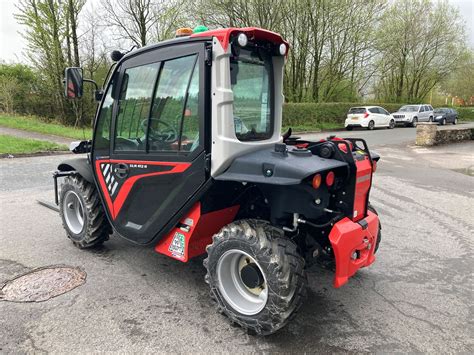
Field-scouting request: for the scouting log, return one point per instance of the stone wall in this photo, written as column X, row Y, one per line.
column 429, row 134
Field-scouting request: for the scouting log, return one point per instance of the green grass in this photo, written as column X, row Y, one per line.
column 34, row 124
column 16, row 145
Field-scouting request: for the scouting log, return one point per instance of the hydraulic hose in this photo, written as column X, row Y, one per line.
column 324, row 225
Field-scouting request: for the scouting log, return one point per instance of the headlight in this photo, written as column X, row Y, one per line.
column 439, row 116
column 242, row 39
column 282, row 49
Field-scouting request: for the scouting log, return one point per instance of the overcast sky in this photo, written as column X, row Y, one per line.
column 12, row 43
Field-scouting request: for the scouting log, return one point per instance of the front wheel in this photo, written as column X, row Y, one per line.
column 414, row 123
column 391, row 124
column 443, row 122
column 82, row 213
column 256, row 275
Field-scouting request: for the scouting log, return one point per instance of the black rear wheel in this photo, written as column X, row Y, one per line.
column 379, row 235
column 256, row 275
column 82, row 213
column 371, row 125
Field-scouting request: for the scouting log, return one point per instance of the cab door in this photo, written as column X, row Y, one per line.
column 157, row 159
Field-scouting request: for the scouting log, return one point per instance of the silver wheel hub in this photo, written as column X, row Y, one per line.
column 73, row 210
column 242, row 282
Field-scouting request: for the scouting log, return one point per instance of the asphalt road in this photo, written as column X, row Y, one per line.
column 378, row 137
column 417, row 297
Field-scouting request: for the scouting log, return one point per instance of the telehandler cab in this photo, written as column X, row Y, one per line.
column 187, row 157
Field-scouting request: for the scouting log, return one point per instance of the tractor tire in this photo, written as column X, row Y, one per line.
column 256, row 275
column 82, row 213
column 379, row 235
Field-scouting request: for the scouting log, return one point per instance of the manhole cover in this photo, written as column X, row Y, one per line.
column 42, row 284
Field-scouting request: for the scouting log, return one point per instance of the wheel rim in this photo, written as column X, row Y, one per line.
column 415, row 121
column 392, row 124
column 371, row 125
column 73, row 212
column 245, row 300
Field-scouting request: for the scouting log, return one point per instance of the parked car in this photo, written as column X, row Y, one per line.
column 445, row 115
column 410, row 115
column 369, row 117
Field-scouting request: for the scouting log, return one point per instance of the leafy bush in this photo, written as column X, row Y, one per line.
column 466, row 113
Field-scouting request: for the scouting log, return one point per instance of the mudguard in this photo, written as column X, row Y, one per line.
column 194, row 233
column 270, row 167
column 81, row 165
column 353, row 244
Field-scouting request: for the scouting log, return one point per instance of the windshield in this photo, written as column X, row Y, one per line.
column 409, row 108
column 442, row 110
column 251, row 73
column 357, row 110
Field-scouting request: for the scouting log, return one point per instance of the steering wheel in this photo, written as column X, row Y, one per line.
column 168, row 135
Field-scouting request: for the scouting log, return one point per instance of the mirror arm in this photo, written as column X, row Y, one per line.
column 93, row 82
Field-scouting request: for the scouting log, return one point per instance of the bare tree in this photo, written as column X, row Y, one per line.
column 417, row 53
column 142, row 21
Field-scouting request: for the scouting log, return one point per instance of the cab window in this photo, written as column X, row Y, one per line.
column 190, row 126
column 135, row 98
column 102, row 135
column 251, row 73
column 173, row 123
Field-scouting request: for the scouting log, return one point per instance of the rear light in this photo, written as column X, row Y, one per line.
column 366, row 115
column 242, row 39
column 330, row 178
column 342, row 147
column 374, row 166
column 316, row 181
column 282, row 49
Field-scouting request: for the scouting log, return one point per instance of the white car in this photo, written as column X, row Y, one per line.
column 410, row 115
column 369, row 117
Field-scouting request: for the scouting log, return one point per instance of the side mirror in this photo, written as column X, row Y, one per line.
column 73, row 83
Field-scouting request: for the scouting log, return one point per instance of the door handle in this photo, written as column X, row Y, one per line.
column 121, row 170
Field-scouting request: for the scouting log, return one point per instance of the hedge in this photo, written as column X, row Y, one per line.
column 306, row 116
column 315, row 116
column 466, row 113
